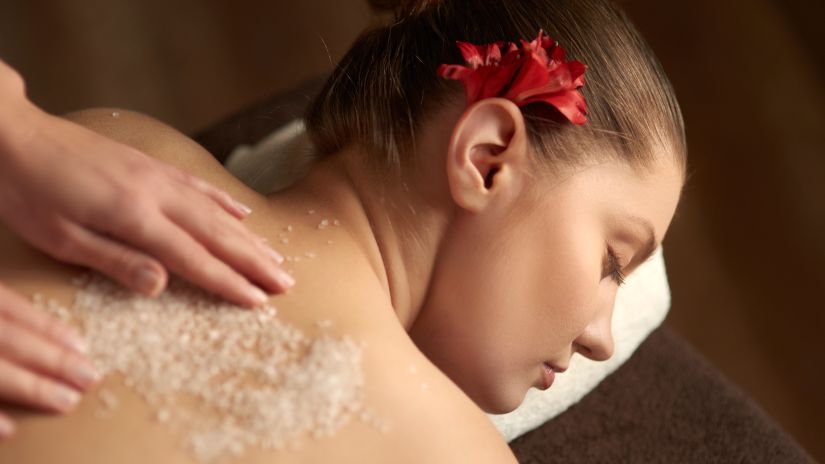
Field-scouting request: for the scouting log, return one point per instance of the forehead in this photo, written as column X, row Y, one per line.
column 619, row 193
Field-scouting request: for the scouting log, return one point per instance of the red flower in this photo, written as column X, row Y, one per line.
column 537, row 72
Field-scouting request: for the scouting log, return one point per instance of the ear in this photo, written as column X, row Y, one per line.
column 487, row 153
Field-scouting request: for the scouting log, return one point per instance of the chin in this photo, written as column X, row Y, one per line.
column 502, row 401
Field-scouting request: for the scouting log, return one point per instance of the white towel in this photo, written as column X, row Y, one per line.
column 641, row 304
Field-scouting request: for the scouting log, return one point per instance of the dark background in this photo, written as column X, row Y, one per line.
column 746, row 252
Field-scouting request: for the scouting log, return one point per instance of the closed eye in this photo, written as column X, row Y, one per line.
column 615, row 267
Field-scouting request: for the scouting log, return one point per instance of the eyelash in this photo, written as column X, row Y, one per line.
column 615, row 269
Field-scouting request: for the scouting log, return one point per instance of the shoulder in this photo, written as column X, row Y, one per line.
column 415, row 412
column 156, row 139
column 132, row 128
column 428, row 417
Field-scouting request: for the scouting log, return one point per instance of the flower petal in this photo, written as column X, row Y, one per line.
column 532, row 74
column 454, row 71
column 471, row 54
column 492, row 54
column 487, row 81
column 570, row 103
column 577, row 69
column 537, row 72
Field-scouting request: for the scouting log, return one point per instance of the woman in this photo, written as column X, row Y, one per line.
column 480, row 241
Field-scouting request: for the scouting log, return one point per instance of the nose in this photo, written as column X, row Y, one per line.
column 596, row 340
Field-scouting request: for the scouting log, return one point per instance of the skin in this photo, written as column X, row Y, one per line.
column 473, row 283
column 491, row 282
column 132, row 218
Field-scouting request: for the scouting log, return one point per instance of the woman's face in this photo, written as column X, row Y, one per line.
column 511, row 293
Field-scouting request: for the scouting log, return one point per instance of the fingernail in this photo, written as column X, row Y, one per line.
column 246, row 210
column 274, row 254
column 285, row 279
column 257, row 295
column 148, row 280
column 6, row 427
column 76, row 342
column 85, row 374
column 64, row 398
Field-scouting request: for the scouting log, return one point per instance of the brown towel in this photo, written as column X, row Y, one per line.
column 666, row 404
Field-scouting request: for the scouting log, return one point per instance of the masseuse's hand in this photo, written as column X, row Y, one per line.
column 41, row 360
column 88, row 200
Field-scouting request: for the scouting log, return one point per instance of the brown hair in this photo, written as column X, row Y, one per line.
column 386, row 84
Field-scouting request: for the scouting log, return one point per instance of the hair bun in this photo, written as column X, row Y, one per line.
column 401, row 8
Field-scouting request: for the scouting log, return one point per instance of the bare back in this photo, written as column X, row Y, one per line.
column 425, row 417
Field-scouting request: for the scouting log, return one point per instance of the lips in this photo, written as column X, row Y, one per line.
column 555, row 367
column 549, row 375
column 549, row 372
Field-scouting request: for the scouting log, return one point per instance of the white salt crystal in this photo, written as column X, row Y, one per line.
column 108, row 399
column 253, row 379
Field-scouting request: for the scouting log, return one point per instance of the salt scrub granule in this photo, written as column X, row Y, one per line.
column 108, row 399
column 368, row 416
column 226, row 377
column 323, row 224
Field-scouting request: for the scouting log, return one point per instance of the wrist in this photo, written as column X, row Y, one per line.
column 18, row 116
column 11, row 82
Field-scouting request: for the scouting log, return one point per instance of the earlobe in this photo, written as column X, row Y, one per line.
column 487, row 150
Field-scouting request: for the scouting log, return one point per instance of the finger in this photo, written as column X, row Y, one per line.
column 6, row 426
column 21, row 386
column 28, row 349
column 221, row 197
column 231, row 242
column 183, row 255
column 16, row 309
column 121, row 262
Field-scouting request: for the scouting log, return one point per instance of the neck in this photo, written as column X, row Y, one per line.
column 397, row 229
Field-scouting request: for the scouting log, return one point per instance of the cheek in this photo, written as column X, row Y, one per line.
column 570, row 284
column 477, row 312
column 572, row 248
column 503, row 301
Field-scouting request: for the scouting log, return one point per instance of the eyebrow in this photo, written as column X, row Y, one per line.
column 649, row 246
